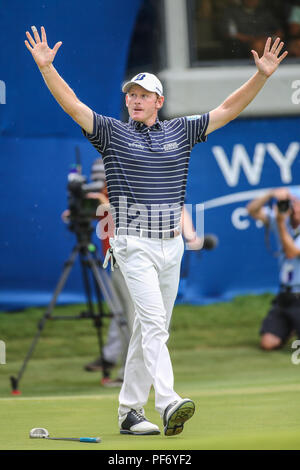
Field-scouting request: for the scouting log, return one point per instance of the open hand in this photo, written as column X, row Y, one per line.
column 270, row 59
column 41, row 52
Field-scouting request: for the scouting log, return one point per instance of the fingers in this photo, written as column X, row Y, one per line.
column 57, row 46
column 276, row 49
column 36, row 34
column 283, row 56
column 44, row 37
column 279, row 49
column 28, row 46
column 255, row 55
column 275, row 45
column 267, row 45
column 36, row 39
column 31, row 40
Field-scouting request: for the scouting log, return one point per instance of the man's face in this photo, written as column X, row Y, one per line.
column 296, row 213
column 143, row 105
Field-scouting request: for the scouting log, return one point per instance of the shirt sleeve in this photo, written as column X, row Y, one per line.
column 102, row 131
column 297, row 241
column 196, row 127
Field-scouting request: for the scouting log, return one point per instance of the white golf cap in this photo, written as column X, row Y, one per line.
column 146, row 80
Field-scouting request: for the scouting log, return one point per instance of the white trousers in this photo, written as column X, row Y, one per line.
column 151, row 269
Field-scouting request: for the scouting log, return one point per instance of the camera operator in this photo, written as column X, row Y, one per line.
column 283, row 219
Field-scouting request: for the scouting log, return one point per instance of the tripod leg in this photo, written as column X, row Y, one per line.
column 15, row 380
column 87, row 288
column 105, row 286
column 98, row 325
column 96, row 318
column 62, row 280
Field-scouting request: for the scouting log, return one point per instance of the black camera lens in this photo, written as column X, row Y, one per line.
column 284, row 205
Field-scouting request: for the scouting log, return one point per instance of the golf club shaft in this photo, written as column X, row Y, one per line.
column 80, row 439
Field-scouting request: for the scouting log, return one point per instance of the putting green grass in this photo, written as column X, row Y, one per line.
column 245, row 398
column 250, row 418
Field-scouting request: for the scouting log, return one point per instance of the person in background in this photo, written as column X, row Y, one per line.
column 294, row 29
column 282, row 218
column 247, row 26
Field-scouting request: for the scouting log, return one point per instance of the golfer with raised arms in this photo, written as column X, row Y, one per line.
column 146, row 163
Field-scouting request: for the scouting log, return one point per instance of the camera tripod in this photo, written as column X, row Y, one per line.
column 91, row 266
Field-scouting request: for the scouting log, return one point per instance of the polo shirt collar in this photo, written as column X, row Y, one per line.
column 141, row 126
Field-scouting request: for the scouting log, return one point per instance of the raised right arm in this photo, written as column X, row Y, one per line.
column 64, row 95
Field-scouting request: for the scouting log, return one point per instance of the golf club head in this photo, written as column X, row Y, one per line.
column 36, row 433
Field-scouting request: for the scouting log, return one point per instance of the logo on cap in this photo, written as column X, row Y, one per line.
column 140, row 76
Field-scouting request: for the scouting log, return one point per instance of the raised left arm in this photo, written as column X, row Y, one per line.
column 239, row 100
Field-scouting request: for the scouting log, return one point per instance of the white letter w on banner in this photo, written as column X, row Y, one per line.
column 240, row 159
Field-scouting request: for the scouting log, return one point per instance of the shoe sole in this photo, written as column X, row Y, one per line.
column 179, row 416
column 146, row 433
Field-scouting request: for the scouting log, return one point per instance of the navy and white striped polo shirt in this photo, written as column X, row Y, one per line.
column 146, row 168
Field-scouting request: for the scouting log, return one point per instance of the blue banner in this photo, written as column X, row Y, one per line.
column 236, row 164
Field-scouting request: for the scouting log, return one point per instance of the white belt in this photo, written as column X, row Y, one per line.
column 163, row 234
